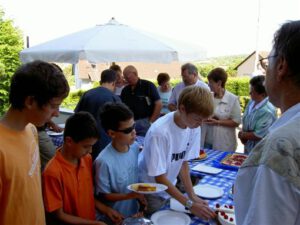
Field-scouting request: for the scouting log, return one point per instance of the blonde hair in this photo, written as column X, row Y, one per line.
column 197, row 100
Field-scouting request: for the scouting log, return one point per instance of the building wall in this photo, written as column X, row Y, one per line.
column 145, row 70
column 247, row 68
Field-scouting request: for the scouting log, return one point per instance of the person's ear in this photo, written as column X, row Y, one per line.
column 111, row 133
column 282, row 69
column 68, row 140
column 181, row 108
column 29, row 102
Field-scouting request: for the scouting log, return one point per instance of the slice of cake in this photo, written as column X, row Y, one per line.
column 225, row 214
column 224, row 208
column 202, row 154
column 146, row 187
column 226, row 218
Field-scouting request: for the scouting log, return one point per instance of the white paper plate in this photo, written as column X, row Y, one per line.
column 168, row 217
column 61, row 125
column 206, row 169
column 52, row 133
column 208, row 191
column 159, row 188
column 177, row 206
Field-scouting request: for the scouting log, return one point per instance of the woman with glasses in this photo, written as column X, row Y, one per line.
column 259, row 115
column 218, row 132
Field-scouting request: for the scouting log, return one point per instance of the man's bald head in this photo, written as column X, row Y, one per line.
column 131, row 75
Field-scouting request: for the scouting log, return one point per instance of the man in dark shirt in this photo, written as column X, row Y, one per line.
column 142, row 97
column 94, row 99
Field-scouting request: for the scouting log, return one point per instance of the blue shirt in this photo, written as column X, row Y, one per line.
column 92, row 101
column 114, row 171
column 164, row 96
column 258, row 120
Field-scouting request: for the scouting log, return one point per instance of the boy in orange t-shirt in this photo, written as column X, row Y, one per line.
column 67, row 179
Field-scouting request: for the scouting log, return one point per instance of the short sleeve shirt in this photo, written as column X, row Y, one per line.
column 69, row 187
column 114, row 171
column 21, row 200
column 179, row 87
column 141, row 99
column 166, row 147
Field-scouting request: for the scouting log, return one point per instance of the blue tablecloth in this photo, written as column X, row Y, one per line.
column 211, row 156
column 225, row 184
column 57, row 140
column 223, row 180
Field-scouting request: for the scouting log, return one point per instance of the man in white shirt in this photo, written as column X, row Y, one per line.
column 189, row 74
column 267, row 188
column 169, row 143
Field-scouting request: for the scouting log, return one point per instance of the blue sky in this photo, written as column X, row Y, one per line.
column 223, row 27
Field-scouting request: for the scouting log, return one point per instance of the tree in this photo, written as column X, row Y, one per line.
column 226, row 62
column 204, row 69
column 11, row 43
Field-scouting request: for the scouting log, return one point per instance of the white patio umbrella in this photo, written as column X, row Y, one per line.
column 113, row 42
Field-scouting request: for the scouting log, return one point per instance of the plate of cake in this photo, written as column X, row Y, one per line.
column 230, row 161
column 234, row 159
column 225, row 214
column 202, row 155
column 147, row 188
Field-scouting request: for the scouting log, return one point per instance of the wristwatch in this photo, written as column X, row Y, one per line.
column 188, row 204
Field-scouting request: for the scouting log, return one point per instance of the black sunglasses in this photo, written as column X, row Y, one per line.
column 127, row 130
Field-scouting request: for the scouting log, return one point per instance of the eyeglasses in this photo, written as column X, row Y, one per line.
column 264, row 62
column 127, row 130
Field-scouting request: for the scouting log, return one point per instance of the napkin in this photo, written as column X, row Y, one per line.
column 206, row 169
column 177, row 206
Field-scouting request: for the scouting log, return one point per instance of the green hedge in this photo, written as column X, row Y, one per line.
column 241, row 88
column 71, row 101
column 237, row 86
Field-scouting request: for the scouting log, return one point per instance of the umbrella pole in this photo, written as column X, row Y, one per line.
column 75, row 71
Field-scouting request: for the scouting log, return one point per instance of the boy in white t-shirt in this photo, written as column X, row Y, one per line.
column 169, row 143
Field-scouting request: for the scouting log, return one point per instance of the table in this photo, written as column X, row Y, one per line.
column 224, row 180
column 225, row 184
column 211, row 156
column 57, row 140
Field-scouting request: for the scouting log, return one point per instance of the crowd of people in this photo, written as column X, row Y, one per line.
column 85, row 180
